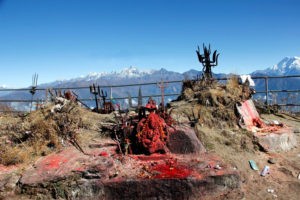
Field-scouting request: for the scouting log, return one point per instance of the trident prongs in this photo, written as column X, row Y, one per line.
column 95, row 91
column 205, row 60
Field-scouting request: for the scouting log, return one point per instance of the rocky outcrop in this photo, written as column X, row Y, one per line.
column 183, row 140
column 282, row 140
column 104, row 174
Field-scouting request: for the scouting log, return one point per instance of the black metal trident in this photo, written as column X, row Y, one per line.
column 95, row 90
column 103, row 96
column 206, row 61
column 33, row 87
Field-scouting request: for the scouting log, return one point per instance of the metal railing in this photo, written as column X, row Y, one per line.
column 266, row 91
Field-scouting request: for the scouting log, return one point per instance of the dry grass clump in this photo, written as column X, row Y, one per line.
column 225, row 139
column 232, row 83
column 39, row 133
column 217, row 101
column 11, row 155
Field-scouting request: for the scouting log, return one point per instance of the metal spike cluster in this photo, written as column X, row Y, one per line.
column 103, row 95
column 162, row 87
column 206, row 61
column 95, row 90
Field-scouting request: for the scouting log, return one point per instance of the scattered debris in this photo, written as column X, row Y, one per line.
column 265, row 171
column 60, row 102
column 253, row 165
column 272, row 160
column 218, row 167
column 270, row 190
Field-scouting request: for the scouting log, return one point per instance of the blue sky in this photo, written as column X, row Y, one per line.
column 62, row 39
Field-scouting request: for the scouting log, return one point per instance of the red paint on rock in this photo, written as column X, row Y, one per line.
column 104, row 154
column 219, row 172
column 254, row 117
column 54, row 161
column 152, row 157
column 80, row 169
column 171, row 170
column 251, row 119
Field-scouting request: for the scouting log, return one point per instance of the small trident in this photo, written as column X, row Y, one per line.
column 95, row 90
column 162, row 87
column 103, row 96
column 33, row 87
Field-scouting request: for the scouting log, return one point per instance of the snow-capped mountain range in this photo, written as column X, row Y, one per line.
column 130, row 72
column 132, row 75
column 287, row 66
column 128, row 75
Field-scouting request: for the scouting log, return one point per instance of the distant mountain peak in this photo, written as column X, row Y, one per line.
column 132, row 72
column 286, row 64
column 125, row 73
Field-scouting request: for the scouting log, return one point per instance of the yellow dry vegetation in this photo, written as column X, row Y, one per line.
column 23, row 138
column 213, row 103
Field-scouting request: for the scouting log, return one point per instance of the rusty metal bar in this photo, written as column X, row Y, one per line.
column 289, row 104
column 138, row 84
column 267, row 90
column 17, row 100
column 290, row 76
column 277, row 91
column 135, row 97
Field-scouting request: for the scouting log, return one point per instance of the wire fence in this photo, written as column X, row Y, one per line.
column 20, row 99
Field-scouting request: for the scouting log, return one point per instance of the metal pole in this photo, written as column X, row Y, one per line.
column 96, row 99
column 31, row 101
column 267, row 90
column 111, row 94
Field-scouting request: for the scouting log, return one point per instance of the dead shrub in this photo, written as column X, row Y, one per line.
column 14, row 155
column 39, row 133
column 232, row 83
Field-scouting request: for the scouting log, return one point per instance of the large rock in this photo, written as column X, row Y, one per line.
column 249, row 116
column 9, row 181
column 184, row 141
column 270, row 137
column 72, row 175
column 176, row 189
column 9, row 177
column 282, row 140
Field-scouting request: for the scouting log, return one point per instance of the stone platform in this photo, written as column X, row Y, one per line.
column 103, row 174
